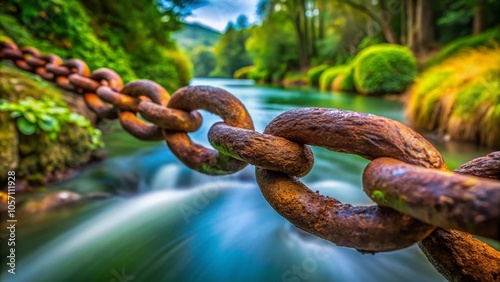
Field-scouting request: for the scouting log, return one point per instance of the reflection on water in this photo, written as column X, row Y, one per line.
column 169, row 223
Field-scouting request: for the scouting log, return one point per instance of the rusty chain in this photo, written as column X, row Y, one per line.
column 407, row 177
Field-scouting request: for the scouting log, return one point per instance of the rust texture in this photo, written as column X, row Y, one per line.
column 281, row 153
column 129, row 102
column 365, row 228
column 262, row 150
column 460, row 257
column 171, row 119
column 440, row 198
column 457, row 255
column 487, row 167
column 365, row 135
column 216, row 101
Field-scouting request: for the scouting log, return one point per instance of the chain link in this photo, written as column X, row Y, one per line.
column 407, row 176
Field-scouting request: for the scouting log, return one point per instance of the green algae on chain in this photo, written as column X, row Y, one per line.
column 436, row 197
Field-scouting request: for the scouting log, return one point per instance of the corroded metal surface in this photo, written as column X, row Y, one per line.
column 365, row 228
column 441, row 198
column 262, row 150
column 366, row 135
column 414, row 181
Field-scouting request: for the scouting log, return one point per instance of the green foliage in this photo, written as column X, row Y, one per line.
column 273, row 48
column 130, row 37
column 460, row 97
column 183, row 67
column 314, row 74
column 230, row 52
column 244, row 72
column 204, row 61
column 384, row 68
column 43, row 24
column 488, row 38
column 193, row 36
column 328, row 76
column 33, row 116
column 345, row 81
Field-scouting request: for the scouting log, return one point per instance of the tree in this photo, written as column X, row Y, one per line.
column 204, row 62
column 230, row 52
column 273, row 47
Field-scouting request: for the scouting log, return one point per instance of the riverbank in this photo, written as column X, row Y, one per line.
column 45, row 134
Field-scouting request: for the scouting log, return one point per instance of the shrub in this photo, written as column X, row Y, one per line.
column 460, row 97
column 490, row 38
column 328, row 76
column 292, row 79
column 244, row 72
column 314, row 74
column 344, row 81
column 183, row 67
column 384, row 68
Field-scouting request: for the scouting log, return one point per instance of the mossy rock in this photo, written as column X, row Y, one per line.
column 384, row 69
column 244, row 72
column 315, row 73
column 328, row 76
column 344, row 81
column 37, row 154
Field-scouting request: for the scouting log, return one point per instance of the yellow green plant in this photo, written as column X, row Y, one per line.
column 460, row 97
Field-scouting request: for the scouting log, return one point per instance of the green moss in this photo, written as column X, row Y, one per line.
column 314, row 74
column 328, row 76
column 384, row 68
column 345, row 81
column 378, row 196
column 226, row 150
column 244, row 72
column 38, row 154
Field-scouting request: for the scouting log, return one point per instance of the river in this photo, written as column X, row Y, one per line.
column 166, row 222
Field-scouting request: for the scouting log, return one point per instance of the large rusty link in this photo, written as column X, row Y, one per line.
column 216, row 101
column 457, row 255
column 367, row 228
column 486, row 167
column 262, row 150
column 440, row 198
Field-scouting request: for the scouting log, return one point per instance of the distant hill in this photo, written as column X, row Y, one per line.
column 194, row 35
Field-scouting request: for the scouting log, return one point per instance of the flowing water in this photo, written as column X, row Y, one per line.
column 166, row 222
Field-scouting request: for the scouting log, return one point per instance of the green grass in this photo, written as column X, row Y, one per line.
column 314, row 74
column 460, row 97
column 328, row 76
column 490, row 38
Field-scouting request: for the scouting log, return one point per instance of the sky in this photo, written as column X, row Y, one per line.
column 219, row 12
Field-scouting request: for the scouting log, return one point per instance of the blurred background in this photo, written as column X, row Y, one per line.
column 94, row 203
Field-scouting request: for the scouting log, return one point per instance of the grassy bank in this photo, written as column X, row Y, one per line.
column 460, row 97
